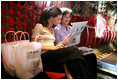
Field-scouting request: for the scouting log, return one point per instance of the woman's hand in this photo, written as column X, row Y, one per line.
column 60, row 46
column 46, row 48
column 66, row 39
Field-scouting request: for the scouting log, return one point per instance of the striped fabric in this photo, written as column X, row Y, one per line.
column 46, row 38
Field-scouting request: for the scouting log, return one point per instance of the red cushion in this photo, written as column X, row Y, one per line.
column 54, row 75
column 91, row 21
column 1, row 60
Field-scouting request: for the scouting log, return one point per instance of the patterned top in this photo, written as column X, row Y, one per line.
column 46, row 38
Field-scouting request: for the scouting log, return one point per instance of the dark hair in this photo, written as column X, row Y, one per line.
column 67, row 12
column 47, row 13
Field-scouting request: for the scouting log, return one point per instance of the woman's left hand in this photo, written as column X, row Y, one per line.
column 66, row 39
column 60, row 46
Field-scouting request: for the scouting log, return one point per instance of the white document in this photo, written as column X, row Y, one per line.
column 77, row 28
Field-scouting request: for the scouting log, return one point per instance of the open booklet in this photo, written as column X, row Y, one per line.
column 77, row 28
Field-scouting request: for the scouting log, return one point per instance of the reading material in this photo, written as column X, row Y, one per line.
column 77, row 28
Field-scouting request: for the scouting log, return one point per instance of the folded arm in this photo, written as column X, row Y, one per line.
column 46, row 48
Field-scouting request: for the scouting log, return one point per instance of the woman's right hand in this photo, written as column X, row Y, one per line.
column 46, row 48
column 58, row 47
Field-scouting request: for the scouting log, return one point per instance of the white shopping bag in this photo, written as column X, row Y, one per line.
column 8, row 54
column 28, row 61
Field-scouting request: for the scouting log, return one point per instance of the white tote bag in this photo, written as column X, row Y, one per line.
column 28, row 61
column 8, row 54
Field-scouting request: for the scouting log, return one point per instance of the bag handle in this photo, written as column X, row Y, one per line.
column 17, row 33
column 9, row 32
column 22, row 34
column 38, row 37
